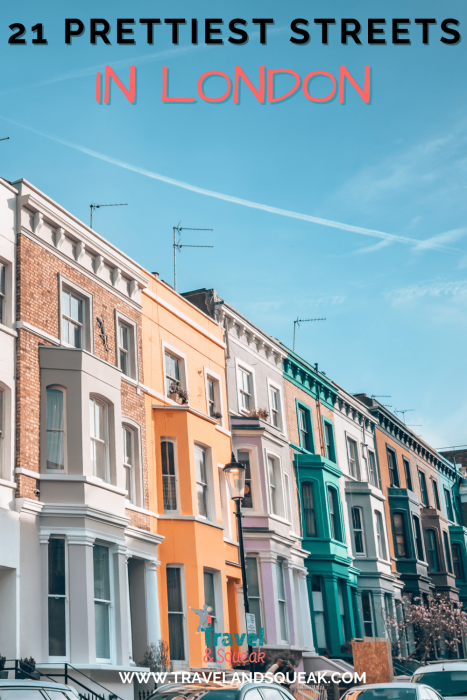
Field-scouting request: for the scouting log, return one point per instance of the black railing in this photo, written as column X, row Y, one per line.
column 84, row 692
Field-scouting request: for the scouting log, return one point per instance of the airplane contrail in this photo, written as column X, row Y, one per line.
column 390, row 237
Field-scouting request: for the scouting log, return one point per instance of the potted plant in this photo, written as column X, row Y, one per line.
column 27, row 670
column 217, row 415
column 262, row 413
column 177, row 394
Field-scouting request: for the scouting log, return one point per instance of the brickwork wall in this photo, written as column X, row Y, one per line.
column 38, row 304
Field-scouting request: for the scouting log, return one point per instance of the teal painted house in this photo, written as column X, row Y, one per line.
column 331, row 578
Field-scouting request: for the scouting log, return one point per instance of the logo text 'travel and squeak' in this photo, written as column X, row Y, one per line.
column 227, row 640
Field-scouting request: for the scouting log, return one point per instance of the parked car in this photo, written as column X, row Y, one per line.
column 218, row 691
column 35, row 690
column 392, row 691
column 448, row 678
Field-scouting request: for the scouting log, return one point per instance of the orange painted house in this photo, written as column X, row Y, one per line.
column 188, row 444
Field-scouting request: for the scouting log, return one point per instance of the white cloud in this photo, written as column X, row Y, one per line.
column 435, row 290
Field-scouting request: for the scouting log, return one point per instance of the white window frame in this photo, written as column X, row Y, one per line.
column 177, row 663
column 58, row 387
column 384, row 535
column 62, row 659
column 278, row 485
column 210, row 487
column 372, row 621
column 132, row 326
column 254, row 471
column 287, row 498
column 218, row 603
column 138, row 484
column 240, row 365
column 284, row 569
column 173, row 440
column 88, row 313
column 103, row 402
column 181, row 357
column 362, row 531
column 348, row 439
column 218, row 393
column 111, row 549
column 256, row 557
column 272, row 386
column 4, row 296
column 3, row 431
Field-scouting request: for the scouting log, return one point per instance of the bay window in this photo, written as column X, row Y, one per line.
column 2, row 433
column 431, row 550
column 244, row 458
column 99, row 439
column 333, row 513
column 367, row 607
column 102, row 601
column 169, row 483
column 400, row 536
column 55, row 429
column 357, row 524
column 380, row 537
column 274, row 404
column 202, row 481
column 275, row 486
column 309, row 510
column 2, row 292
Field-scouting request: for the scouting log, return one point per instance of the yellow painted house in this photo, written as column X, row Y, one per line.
column 188, row 443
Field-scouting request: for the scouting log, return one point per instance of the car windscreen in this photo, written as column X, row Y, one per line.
column 447, row 683
column 196, row 694
column 393, row 693
column 21, row 694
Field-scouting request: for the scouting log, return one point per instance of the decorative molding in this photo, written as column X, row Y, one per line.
column 38, row 222
column 27, row 505
column 59, row 237
column 80, row 250
column 98, row 264
column 116, row 276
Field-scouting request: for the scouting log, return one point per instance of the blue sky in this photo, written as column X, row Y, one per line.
column 395, row 305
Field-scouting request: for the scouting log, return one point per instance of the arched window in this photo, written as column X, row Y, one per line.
column 309, row 510
column 56, row 428
column 431, row 550
column 99, row 415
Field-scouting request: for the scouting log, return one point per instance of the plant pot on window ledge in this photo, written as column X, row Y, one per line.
column 175, row 397
column 217, row 416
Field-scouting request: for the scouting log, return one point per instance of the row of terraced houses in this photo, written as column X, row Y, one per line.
column 120, row 403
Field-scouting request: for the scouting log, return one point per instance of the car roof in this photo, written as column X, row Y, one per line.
column 394, row 684
column 34, row 684
column 173, row 687
column 443, row 666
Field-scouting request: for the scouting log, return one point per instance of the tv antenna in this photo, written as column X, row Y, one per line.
column 404, row 411
column 380, row 396
column 6, row 138
column 302, row 320
column 178, row 246
column 98, row 206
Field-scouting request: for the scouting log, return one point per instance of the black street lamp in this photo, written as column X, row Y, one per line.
column 235, row 473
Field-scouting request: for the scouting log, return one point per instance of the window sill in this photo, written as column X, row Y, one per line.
column 279, row 518
column 131, row 506
column 8, row 330
column 8, row 484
